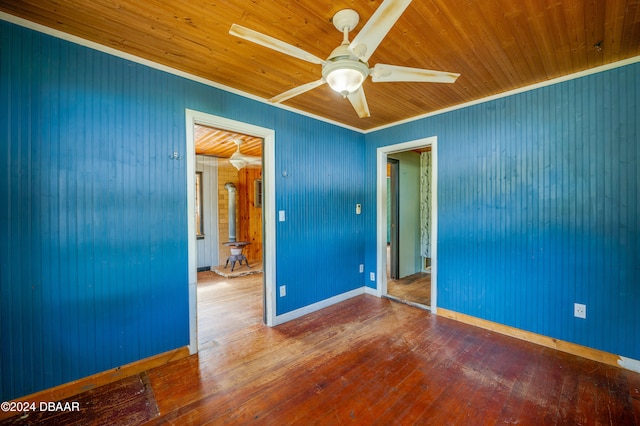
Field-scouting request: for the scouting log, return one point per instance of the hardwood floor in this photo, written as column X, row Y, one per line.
column 374, row 361
column 415, row 288
column 412, row 289
column 371, row 361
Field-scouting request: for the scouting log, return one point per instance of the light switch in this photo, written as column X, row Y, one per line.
column 281, row 216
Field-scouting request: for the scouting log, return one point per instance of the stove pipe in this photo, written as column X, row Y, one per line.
column 232, row 210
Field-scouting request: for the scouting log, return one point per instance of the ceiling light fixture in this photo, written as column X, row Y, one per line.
column 236, row 162
column 240, row 160
column 343, row 71
column 345, row 75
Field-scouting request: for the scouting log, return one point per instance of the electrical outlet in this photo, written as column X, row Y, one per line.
column 372, row 276
column 283, row 290
column 361, row 268
column 579, row 310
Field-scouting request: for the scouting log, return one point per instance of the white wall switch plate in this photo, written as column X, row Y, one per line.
column 281, row 216
column 283, row 290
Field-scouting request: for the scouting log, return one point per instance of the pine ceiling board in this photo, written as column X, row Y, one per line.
column 496, row 46
column 219, row 143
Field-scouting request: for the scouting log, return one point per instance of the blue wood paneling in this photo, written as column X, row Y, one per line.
column 88, row 198
column 538, row 208
column 321, row 234
column 93, row 266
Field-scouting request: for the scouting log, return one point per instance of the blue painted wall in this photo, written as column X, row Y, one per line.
column 538, row 208
column 322, row 233
column 93, row 216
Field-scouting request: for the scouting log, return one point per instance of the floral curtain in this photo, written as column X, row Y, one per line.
column 425, row 204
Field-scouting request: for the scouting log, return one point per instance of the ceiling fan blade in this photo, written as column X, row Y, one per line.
column 296, row 91
column 253, row 161
column 273, row 43
column 359, row 103
column 370, row 36
column 240, row 164
column 389, row 73
column 249, row 159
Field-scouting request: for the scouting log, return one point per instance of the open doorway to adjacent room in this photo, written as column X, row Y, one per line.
column 228, row 201
column 229, row 194
column 407, row 222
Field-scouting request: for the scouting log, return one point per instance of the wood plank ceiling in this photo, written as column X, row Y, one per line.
column 219, row 142
column 496, row 45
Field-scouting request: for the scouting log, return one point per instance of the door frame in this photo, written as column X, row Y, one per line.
column 381, row 202
column 394, row 225
column 268, row 212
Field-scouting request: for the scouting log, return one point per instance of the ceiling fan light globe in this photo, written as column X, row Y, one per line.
column 345, row 76
column 345, row 80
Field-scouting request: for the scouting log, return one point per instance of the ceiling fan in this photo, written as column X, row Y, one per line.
column 346, row 68
column 240, row 160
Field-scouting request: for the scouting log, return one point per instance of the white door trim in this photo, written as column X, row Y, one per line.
column 381, row 223
column 269, row 216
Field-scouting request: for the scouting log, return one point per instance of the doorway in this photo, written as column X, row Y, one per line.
column 268, row 203
column 393, row 207
column 229, row 167
column 416, row 272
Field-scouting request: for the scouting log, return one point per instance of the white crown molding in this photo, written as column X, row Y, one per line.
column 535, row 86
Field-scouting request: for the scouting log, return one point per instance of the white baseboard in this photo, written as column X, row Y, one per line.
column 629, row 364
column 281, row 319
column 371, row 291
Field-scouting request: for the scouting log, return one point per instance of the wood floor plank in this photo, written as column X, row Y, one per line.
column 128, row 401
column 372, row 361
column 414, row 288
column 471, row 400
column 633, row 390
column 622, row 413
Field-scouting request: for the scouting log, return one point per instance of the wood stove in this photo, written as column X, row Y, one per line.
column 235, row 247
column 236, row 253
